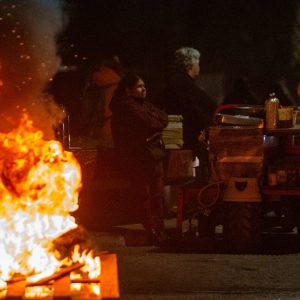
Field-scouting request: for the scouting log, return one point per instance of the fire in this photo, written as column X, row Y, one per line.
column 39, row 187
column 92, row 265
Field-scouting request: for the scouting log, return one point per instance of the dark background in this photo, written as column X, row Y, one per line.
column 256, row 39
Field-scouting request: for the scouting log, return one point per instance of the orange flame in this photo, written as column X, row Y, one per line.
column 92, row 265
column 39, row 187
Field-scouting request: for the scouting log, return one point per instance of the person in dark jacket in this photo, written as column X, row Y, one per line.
column 97, row 94
column 133, row 121
column 184, row 97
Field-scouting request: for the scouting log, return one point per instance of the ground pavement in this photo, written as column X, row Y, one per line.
column 189, row 271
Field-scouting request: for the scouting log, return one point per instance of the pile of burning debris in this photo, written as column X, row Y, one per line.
column 39, row 188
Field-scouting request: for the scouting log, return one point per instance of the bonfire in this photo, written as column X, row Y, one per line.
column 39, row 188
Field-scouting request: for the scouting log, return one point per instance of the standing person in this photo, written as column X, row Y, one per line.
column 133, row 121
column 96, row 114
column 184, row 97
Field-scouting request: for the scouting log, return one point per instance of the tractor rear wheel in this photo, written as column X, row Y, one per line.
column 242, row 228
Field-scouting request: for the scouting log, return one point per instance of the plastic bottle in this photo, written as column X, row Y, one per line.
column 271, row 106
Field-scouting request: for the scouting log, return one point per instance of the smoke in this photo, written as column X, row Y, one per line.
column 28, row 61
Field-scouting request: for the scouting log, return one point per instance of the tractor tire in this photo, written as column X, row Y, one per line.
column 296, row 209
column 242, row 227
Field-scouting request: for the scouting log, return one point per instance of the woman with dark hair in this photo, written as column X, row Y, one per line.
column 133, row 121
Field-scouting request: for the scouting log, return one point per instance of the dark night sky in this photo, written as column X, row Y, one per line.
column 141, row 30
column 236, row 38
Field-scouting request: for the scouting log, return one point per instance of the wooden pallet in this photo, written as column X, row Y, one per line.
column 60, row 284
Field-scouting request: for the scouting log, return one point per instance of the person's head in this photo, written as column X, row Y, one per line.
column 114, row 64
column 188, row 59
column 131, row 85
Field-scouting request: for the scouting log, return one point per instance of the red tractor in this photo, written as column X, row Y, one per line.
column 253, row 187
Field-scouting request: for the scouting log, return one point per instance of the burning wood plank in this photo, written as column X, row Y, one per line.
column 62, row 288
column 16, row 290
column 109, row 277
column 57, row 275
